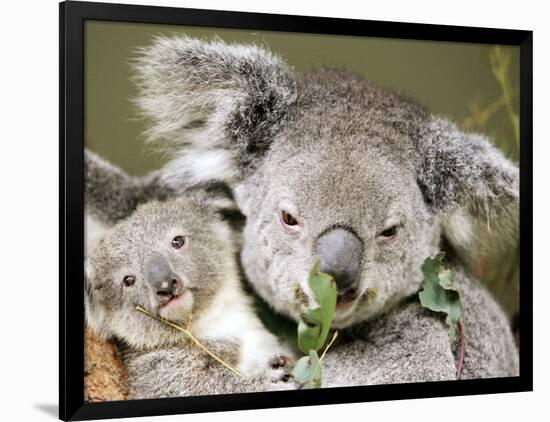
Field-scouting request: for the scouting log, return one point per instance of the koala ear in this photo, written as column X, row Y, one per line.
column 473, row 187
column 94, row 312
column 111, row 194
column 216, row 106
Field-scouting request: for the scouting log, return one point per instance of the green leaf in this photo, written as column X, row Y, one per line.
column 324, row 289
column 308, row 335
column 313, row 329
column 307, row 371
column 438, row 294
column 313, row 316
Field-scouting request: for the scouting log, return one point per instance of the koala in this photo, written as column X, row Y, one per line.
column 176, row 259
column 325, row 165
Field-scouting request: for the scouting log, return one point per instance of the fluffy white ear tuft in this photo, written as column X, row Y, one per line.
column 195, row 166
column 215, row 105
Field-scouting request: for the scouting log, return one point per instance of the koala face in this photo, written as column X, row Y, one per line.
column 324, row 165
column 337, row 196
column 170, row 258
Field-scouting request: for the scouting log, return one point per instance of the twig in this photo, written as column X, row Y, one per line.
column 500, row 63
column 460, row 362
column 191, row 336
column 481, row 116
column 328, row 346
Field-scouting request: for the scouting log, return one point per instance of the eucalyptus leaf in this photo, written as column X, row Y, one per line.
column 308, row 335
column 313, row 316
column 307, row 371
column 313, row 329
column 438, row 293
column 324, row 289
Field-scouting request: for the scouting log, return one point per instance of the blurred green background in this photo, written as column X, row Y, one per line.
column 476, row 85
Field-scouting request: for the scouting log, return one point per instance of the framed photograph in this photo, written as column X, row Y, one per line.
column 268, row 211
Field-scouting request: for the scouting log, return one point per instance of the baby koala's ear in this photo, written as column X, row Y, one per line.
column 215, row 105
column 471, row 185
column 94, row 311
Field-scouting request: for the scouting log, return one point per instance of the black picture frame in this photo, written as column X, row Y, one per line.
column 72, row 17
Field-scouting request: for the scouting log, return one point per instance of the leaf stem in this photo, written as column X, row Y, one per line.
column 328, row 346
column 191, row 336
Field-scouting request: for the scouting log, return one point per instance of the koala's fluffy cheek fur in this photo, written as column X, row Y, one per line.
column 276, row 270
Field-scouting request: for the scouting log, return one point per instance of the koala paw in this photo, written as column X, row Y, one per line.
column 280, row 361
column 279, row 367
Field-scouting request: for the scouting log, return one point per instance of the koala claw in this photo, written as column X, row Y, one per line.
column 279, row 366
column 280, row 361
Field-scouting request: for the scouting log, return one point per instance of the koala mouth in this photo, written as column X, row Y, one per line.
column 345, row 302
column 174, row 298
column 169, row 299
column 346, row 297
column 176, row 305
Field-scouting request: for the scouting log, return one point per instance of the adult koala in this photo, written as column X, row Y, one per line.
column 327, row 165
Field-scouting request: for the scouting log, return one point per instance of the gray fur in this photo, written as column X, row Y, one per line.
column 411, row 344
column 244, row 93
column 111, row 195
column 334, row 150
column 183, row 371
column 161, row 361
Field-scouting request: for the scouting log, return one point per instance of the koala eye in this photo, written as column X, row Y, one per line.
column 389, row 232
column 178, row 242
column 288, row 219
column 129, row 280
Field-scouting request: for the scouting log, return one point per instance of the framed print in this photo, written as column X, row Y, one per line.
column 267, row 210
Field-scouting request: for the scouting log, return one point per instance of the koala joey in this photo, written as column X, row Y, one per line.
column 326, row 165
column 176, row 259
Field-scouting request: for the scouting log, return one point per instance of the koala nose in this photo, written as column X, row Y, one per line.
column 160, row 276
column 340, row 252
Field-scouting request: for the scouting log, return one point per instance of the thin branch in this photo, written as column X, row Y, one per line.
column 191, row 336
column 500, row 63
column 480, row 117
column 328, row 346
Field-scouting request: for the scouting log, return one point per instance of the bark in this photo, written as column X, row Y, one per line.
column 104, row 374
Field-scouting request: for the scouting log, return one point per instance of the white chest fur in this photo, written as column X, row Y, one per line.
column 231, row 318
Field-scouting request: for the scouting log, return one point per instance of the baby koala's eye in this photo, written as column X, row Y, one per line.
column 288, row 219
column 129, row 280
column 178, row 242
column 389, row 232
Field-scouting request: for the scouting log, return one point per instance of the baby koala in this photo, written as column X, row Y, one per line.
column 176, row 259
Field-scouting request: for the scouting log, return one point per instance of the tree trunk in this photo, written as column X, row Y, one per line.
column 104, row 374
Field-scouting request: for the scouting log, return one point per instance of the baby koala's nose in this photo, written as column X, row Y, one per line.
column 340, row 252
column 160, row 276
